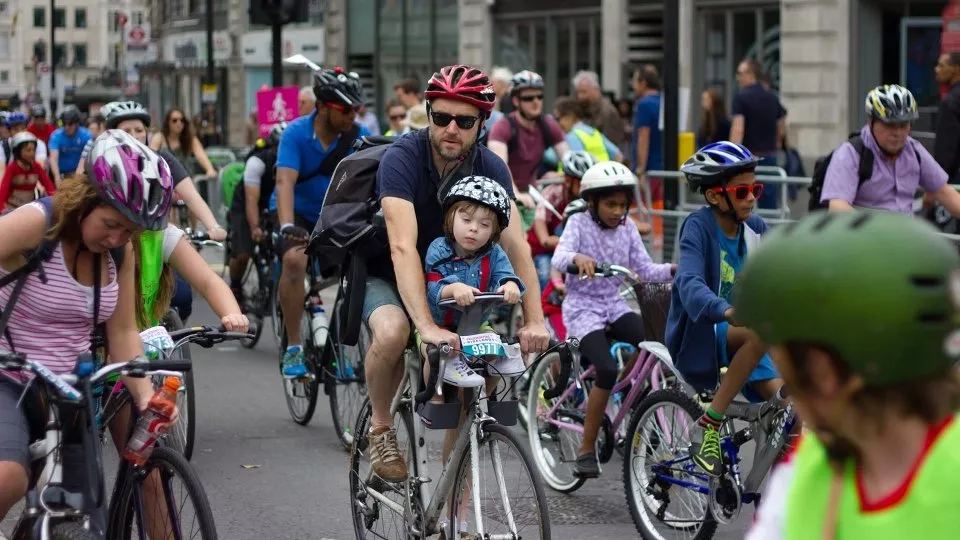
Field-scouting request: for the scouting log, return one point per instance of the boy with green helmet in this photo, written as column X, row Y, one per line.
column 861, row 313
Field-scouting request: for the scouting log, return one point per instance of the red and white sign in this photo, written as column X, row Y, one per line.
column 137, row 36
column 43, row 67
column 121, row 19
column 950, row 38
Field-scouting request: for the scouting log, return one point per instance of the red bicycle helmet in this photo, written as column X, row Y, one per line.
column 462, row 83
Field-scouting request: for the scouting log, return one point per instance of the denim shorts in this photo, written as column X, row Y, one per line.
column 378, row 293
column 764, row 371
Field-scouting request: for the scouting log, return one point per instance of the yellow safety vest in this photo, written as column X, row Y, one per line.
column 592, row 144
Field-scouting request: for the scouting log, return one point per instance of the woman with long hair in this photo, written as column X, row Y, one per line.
column 714, row 122
column 178, row 135
column 89, row 279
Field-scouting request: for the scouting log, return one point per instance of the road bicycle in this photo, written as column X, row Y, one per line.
column 557, row 430
column 344, row 380
column 486, row 456
column 664, row 486
column 259, row 280
column 66, row 498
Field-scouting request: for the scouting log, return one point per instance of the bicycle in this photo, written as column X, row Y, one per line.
column 344, row 380
column 301, row 393
column 66, row 498
column 555, row 434
column 258, row 295
column 659, row 463
column 374, row 500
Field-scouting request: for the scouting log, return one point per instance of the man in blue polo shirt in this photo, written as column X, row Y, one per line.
column 66, row 145
column 310, row 149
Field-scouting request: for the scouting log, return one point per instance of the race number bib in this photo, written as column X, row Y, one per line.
column 486, row 344
column 156, row 342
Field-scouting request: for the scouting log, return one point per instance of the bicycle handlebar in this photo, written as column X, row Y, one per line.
column 201, row 238
column 607, row 270
column 207, row 337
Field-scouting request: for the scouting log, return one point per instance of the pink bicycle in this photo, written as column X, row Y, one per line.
column 557, row 428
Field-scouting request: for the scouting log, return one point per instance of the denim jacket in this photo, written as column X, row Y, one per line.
column 444, row 267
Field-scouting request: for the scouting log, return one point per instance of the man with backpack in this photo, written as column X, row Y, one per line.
column 310, row 149
column 521, row 137
column 881, row 167
column 414, row 175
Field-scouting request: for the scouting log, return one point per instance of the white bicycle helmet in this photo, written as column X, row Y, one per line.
column 577, row 162
column 20, row 139
column 607, row 176
column 891, row 103
column 525, row 79
column 481, row 190
column 131, row 177
column 118, row 111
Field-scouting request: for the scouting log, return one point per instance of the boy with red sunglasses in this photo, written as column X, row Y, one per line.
column 702, row 332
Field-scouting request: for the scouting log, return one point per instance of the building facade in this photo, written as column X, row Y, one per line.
column 822, row 55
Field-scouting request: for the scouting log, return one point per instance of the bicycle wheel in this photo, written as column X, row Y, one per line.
column 344, row 380
column 138, row 513
column 276, row 314
column 659, row 435
column 373, row 518
column 181, row 436
column 554, row 449
column 71, row 530
column 256, row 295
column 523, row 514
column 301, row 393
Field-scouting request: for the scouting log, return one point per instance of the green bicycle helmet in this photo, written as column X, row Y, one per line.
column 880, row 288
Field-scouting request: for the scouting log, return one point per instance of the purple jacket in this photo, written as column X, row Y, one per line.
column 894, row 182
column 592, row 304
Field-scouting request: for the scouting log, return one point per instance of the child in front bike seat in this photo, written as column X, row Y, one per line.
column 592, row 306
column 467, row 261
column 701, row 327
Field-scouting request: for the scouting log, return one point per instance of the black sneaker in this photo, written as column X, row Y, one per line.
column 587, row 466
column 709, row 457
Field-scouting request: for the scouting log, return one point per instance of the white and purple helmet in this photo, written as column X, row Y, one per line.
column 131, row 177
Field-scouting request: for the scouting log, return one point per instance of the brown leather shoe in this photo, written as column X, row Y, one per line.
column 385, row 456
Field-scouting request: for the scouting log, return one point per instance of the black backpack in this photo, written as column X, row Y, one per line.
column 864, row 170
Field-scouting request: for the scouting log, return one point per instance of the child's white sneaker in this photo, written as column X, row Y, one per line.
column 510, row 364
column 458, row 373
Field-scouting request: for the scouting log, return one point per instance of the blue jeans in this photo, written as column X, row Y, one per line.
column 771, row 193
column 182, row 299
column 543, row 266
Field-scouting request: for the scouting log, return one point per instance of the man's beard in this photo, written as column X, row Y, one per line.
column 437, row 143
column 530, row 117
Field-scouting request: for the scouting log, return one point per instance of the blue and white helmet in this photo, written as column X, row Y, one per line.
column 716, row 163
column 14, row 118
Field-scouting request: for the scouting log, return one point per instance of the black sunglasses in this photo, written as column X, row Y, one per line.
column 528, row 99
column 463, row 121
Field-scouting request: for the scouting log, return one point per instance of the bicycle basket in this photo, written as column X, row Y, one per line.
column 654, row 299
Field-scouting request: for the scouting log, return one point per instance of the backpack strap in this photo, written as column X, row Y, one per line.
column 514, row 132
column 485, row 272
column 865, row 168
column 329, row 163
column 542, row 125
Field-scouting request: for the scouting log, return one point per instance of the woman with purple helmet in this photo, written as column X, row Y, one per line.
column 88, row 223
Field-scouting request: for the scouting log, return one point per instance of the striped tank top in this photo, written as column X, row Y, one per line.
column 52, row 322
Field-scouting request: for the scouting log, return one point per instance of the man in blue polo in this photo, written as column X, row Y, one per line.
column 66, row 144
column 310, row 149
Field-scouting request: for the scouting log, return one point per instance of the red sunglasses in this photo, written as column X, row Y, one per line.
column 341, row 108
column 741, row 192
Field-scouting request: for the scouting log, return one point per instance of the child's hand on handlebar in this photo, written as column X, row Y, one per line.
column 510, row 292
column 235, row 322
column 460, row 292
column 587, row 265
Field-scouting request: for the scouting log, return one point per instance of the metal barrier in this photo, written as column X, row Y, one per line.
column 209, row 189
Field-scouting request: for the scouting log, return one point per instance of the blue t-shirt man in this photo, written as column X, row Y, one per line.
column 302, row 151
column 647, row 114
column 69, row 149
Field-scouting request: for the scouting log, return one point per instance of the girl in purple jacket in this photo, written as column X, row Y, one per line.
column 602, row 233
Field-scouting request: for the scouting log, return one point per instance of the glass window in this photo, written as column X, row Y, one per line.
column 40, row 51
column 138, row 18
column 4, row 76
column 390, row 13
column 39, row 17
column 771, row 46
column 4, row 46
column 80, row 17
column 418, row 41
column 447, row 43
column 4, row 7
column 745, row 43
column 79, row 54
column 59, row 18
column 59, row 54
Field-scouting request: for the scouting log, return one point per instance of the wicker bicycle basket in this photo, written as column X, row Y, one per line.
column 654, row 300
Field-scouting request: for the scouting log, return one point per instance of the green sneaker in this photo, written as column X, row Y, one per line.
column 709, row 456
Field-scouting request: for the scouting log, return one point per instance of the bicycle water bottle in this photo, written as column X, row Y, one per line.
column 318, row 323
column 159, row 412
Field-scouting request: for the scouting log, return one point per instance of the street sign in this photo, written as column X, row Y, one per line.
column 43, row 67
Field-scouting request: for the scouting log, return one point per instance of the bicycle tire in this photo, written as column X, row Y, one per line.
column 358, row 450
column 312, row 386
column 276, row 314
column 122, row 512
column 673, row 396
column 504, row 433
column 189, row 416
column 262, row 304
column 71, row 530
column 341, row 416
column 534, row 435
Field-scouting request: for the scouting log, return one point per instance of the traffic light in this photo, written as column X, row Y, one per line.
column 270, row 12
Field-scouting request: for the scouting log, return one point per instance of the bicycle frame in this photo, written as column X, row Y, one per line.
column 647, row 365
